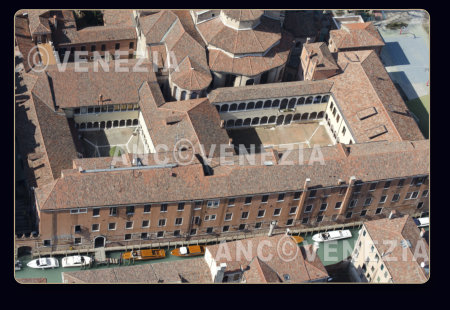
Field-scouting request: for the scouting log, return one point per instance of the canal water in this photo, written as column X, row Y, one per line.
column 329, row 252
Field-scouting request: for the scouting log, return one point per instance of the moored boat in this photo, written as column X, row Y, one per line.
column 297, row 239
column 332, row 235
column 18, row 265
column 75, row 261
column 44, row 263
column 144, row 254
column 192, row 250
column 422, row 222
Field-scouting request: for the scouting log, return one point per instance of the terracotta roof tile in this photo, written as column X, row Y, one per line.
column 356, row 35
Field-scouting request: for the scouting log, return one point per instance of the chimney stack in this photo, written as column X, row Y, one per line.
column 392, row 214
column 272, row 226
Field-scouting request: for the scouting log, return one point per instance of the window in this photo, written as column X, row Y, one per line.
column 181, row 206
column 127, row 236
column 408, row 196
column 387, row 184
column 117, row 46
column 425, row 193
column 293, row 210
column 83, row 48
column 178, row 221
column 258, row 225
column 164, row 207
column 176, row 233
column 264, row 198
column 323, row 206
column 226, row 228
column 400, row 183
column 77, row 241
column 47, row 243
column 213, row 203
column 414, row 195
column 209, row 230
column 383, row 199
column 353, row 203
column 305, row 220
column 344, row 130
column 129, row 225
column 95, row 227
column 290, row 222
column 248, row 200
column 372, row 248
column 319, row 219
column 420, row 205
column 228, row 216
column 312, row 193
column 364, row 233
column 145, row 223
column 396, row 197
column 112, row 226
column 92, row 48
column 418, row 181
column 96, row 212
column 76, row 211
column 131, row 45
column 363, row 213
column 130, row 210
column 382, row 267
column 297, row 195
column 377, row 258
column 308, row 208
column 160, row 234
column 211, row 217
column 231, row 202
column 162, row 222
column 241, row 227
column 244, row 215
column 103, row 47
column 77, row 229
column 281, row 197
column 338, row 205
column 193, row 232
column 373, row 186
column 378, row 210
column 196, row 220
column 144, row 235
column 342, row 190
column 368, row 201
column 348, row 215
column 277, row 212
column 198, row 205
column 147, row 208
column 261, row 213
column 357, row 188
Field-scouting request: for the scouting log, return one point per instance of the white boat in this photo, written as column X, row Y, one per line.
column 44, row 263
column 75, row 261
column 18, row 265
column 422, row 222
column 332, row 235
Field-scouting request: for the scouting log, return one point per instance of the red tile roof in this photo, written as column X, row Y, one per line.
column 356, row 35
column 244, row 15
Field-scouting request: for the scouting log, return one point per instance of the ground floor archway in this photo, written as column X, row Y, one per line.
column 99, row 242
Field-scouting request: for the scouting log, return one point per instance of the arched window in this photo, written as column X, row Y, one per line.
column 267, row 104
column 275, row 103
column 250, row 82
column 193, row 95
column 174, row 91
column 217, row 108
column 320, row 115
column 129, row 122
column 284, row 103
column 331, row 106
column 122, row 123
column 280, row 120
column 313, row 115
column 259, row 105
column 326, row 116
column 301, row 101
column 305, row 116
column 224, row 108
column 317, row 99
column 96, row 125
column 296, row 117
column 233, row 107
column 288, row 119
column 250, row 105
column 230, row 123
column 241, row 106
column 135, row 122
column 183, row 95
column 247, row 121
column 238, row 122
column 334, row 111
column 108, row 124
column 291, row 104
column 82, row 125
column 337, row 118
column 89, row 125
column 272, row 119
column 263, row 120
column 255, row 121
column 325, row 98
column 102, row 124
column 309, row 100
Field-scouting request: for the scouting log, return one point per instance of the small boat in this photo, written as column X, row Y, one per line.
column 332, row 235
column 144, row 254
column 192, row 250
column 75, row 261
column 422, row 222
column 44, row 263
column 297, row 239
column 18, row 265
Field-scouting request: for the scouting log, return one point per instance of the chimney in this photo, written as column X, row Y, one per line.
column 272, row 226
column 422, row 232
column 392, row 214
column 220, row 273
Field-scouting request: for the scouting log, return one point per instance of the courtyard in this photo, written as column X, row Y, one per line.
column 98, row 143
column 282, row 137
